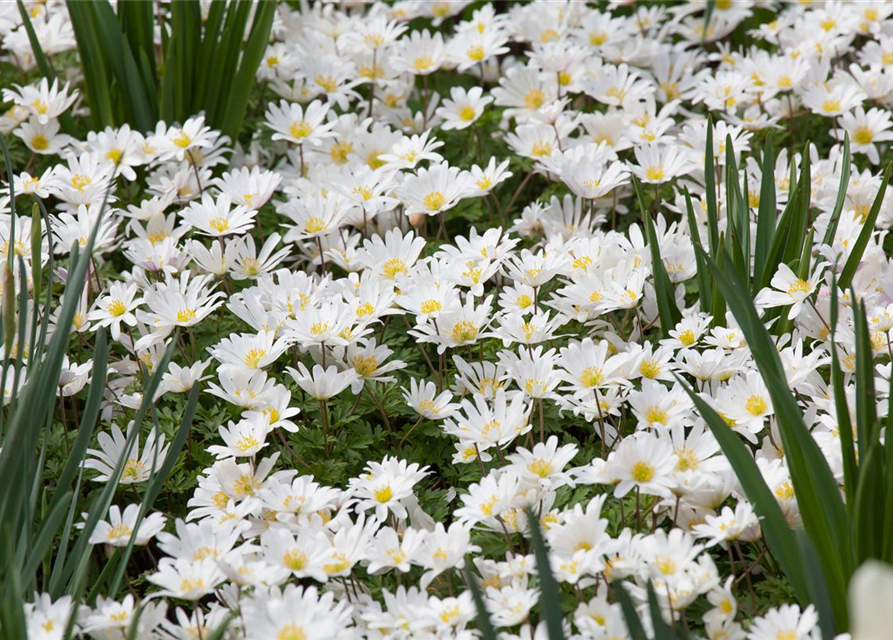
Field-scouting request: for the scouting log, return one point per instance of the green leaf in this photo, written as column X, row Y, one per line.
column 550, row 596
column 116, row 48
column 710, row 184
column 800, row 221
column 852, row 263
column 666, row 300
column 633, row 622
column 237, row 102
column 93, row 63
column 776, row 531
column 844, row 425
column 485, row 625
column 781, row 232
column 705, row 289
column 46, row 69
column 157, row 483
column 818, row 496
column 767, row 214
column 868, row 514
column 818, row 588
column 841, row 192
column 867, row 426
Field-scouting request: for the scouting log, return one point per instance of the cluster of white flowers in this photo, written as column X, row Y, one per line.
column 547, row 308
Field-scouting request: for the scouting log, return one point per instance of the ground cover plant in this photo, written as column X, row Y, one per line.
column 529, row 320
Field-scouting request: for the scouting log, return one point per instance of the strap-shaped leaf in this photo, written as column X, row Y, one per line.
column 841, row 192
column 767, row 214
column 855, row 257
column 550, row 596
column 778, row 534
column 818, row 495
column 663, row 288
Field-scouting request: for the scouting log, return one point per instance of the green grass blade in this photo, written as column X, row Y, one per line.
column 818, row 588
column 852, row 263
column 93, row 63
column 45, row 535
column 705, row 289
column 800, row 221
column 867, row 426
column 157, row 483
column 778, row 534
column 666, row 300
column 258, row 39
column 633, row 621
column 844, row 425
column 131, row 93
column 710, row 184
column 550, row 596
column 46, row 69
column 841, row 192
column 868, row 516
column 767, row 213
column 89, row 418
column 824, row 514
column 485, row 625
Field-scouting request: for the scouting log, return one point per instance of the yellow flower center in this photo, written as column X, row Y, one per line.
column 434, row 201
column 686, row 460
column 431, row 306
column 365, row 366
column 755, row 405
column 300, row 130
column 540, row 467
column 592, row 377
column 40, row 142
column 655, row 173
column 219, row 224
column 116, row 308
column 863, row 135
column 318, row 328
column 534, row 99
column 341, row 564
column 642, row 472
column 541, row 149
column 247, row 485
column 464, row 331
column 315, row 225
column 340, row 151
column 133, row 469
column 799, row 286
column 185, row 315
column 475, row 53
column 252, row 358
column 467, row 113
column 384, row 494
column 327, row 83
column 393, row 267
column 80, row 182
column 422, row 63
column 650, row 369
column 247, row 443
column 120, row 531
column 294, row 560
column 656, row 414
column 785, row 492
